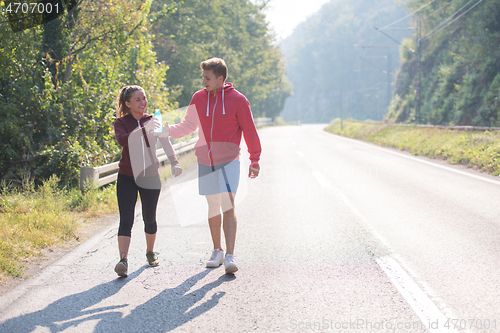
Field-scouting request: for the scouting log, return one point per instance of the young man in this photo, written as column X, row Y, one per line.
column 221, row 114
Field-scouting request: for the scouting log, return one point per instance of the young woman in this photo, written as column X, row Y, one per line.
column 138, row 170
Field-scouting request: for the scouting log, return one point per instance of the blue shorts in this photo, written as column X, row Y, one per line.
column 219, row 178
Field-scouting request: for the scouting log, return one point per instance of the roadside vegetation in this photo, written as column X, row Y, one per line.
column 475, row 149
column 33, row 219
column 36, row 218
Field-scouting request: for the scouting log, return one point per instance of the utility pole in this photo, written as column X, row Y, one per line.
column 419, row 76
column 389, row 65
column 389, row 68
column 349, row 105
column 341, row 125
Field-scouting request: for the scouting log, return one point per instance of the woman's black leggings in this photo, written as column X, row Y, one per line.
column 126, row 192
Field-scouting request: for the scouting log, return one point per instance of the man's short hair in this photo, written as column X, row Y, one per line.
column 216, row 65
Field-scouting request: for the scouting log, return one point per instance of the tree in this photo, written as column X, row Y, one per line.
column 58, row 101
column 460, row 64
column 233, row 30
column 330, row 70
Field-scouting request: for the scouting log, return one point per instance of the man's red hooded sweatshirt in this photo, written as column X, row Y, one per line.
column 221, row 117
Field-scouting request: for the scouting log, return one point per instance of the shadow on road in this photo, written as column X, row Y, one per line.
column 164, row 312
column 169, row 309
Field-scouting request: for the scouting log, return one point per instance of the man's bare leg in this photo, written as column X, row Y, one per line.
column 229, row 221
column 215, row 219
column 229, row 226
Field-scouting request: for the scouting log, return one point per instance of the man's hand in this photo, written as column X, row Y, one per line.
column 165, row 131
column 176, row 170
column 254, row 170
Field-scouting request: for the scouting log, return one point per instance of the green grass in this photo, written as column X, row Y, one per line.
column 474, row 149
column 31, row 220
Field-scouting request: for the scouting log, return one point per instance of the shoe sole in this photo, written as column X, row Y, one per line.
column 121, row 270
column 231, row 269
column 153, row 265
column 210, row 265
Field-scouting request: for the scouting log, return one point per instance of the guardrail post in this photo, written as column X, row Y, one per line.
column 88, row 175
column 263, row 121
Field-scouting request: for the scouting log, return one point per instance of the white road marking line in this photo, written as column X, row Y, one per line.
column 388, row 150
column 418, row 300
column 432, row 318
column 325, row 183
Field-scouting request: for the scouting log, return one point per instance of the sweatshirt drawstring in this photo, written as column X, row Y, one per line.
column 223, row 109
column 208, row 103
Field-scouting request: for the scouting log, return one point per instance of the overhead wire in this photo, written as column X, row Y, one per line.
column 437, row 10
column 401, row 19
column 441, row 25
column 380, row 69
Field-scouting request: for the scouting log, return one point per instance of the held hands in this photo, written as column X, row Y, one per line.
column 254, row 170
column 176, row 170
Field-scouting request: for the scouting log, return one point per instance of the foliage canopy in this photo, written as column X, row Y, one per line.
column 460, row 65
column 59, row 80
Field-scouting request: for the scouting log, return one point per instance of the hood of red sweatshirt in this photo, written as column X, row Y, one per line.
column 228, row 87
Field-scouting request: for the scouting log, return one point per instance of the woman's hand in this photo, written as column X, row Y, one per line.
column 151, row 125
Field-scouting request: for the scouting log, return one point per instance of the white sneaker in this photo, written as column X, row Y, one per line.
column 229, row 264
column 216, row 259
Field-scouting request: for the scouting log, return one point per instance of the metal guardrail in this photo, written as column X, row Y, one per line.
column 108, row 173
column 263, row 121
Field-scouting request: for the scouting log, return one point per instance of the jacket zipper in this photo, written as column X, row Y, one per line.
column 212, row 129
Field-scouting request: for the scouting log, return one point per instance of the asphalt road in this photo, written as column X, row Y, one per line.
column 335, row 235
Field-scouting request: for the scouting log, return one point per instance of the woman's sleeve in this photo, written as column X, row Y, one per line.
column 121, row 134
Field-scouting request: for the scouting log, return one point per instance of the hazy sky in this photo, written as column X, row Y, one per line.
column 285, row 15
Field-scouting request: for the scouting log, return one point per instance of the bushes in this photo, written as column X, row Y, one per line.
column 57, row 108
